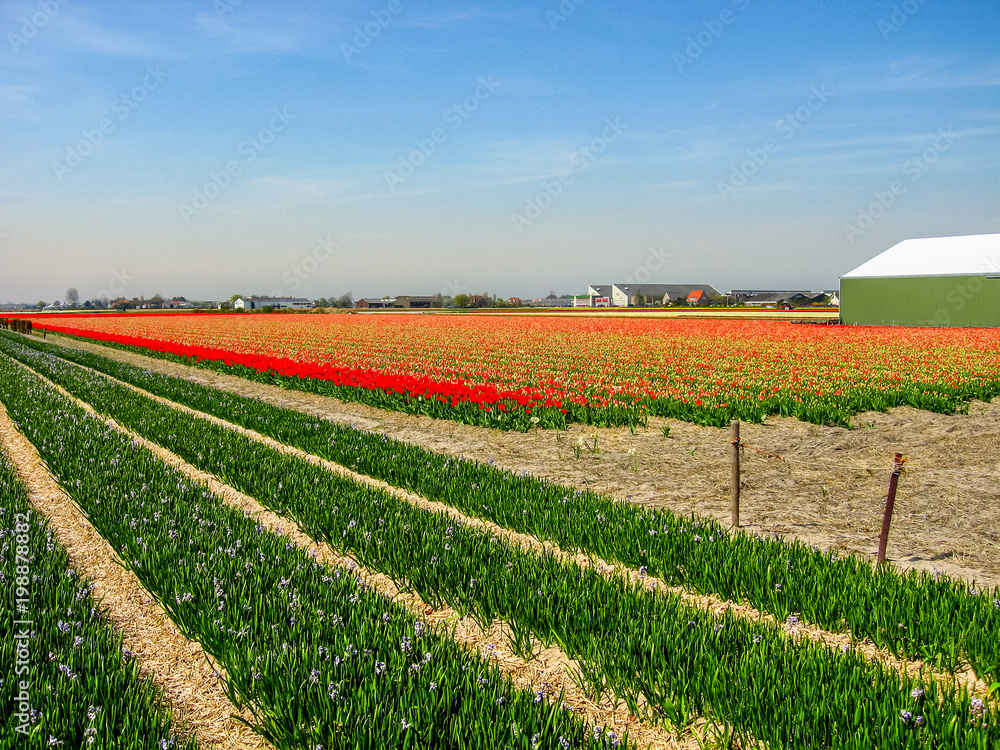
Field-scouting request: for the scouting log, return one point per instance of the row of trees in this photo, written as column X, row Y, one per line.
column 344, row 300
column 72, row 301
column 476, row 300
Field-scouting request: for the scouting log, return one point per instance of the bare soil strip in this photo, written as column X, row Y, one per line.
column 549, row 671
column 179, row 667
column 830, row 495
column 795, row 628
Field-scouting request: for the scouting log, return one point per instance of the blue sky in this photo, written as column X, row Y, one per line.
column 307, row 148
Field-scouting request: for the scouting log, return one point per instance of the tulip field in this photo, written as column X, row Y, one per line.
column 320, row 661
column 60, row 650
column 514, row 372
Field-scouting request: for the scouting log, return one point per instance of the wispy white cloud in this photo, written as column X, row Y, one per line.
column 916, row 72
column 465, row 15
column 74, row 31
column 246, row 38
column 888, row 143
column 296, row 189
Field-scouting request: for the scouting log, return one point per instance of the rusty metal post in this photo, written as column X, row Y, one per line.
column 734, row 429
column 890, row 502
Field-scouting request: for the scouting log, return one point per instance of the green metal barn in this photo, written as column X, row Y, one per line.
column 937, row 281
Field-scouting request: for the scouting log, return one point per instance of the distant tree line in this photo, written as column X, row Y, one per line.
column 344, row 300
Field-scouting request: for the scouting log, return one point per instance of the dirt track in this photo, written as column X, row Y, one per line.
column 829, row 493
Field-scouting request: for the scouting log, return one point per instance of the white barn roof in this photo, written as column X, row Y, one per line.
column 935, row 256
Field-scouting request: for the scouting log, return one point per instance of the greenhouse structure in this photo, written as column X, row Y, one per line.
column 936, row 281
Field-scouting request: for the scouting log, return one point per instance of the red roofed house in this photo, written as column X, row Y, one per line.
column 697, row 297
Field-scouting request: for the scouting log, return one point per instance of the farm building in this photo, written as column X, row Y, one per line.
column 278, row 303
column 401, row 301
column 766, row 297
column 410, row 300
column 795, row 299
column 376, row 303
column 937, row 281
column 627, row 294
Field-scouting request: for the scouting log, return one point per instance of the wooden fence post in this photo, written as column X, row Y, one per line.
column 890, row 502
column 734, row 428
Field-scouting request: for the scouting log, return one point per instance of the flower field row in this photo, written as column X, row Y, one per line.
column 939, row 620
column 319, row 660
column 69, row 683
column 513, row 372
column 642, row 644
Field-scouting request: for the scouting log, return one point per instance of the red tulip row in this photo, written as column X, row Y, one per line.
column 517, row 371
